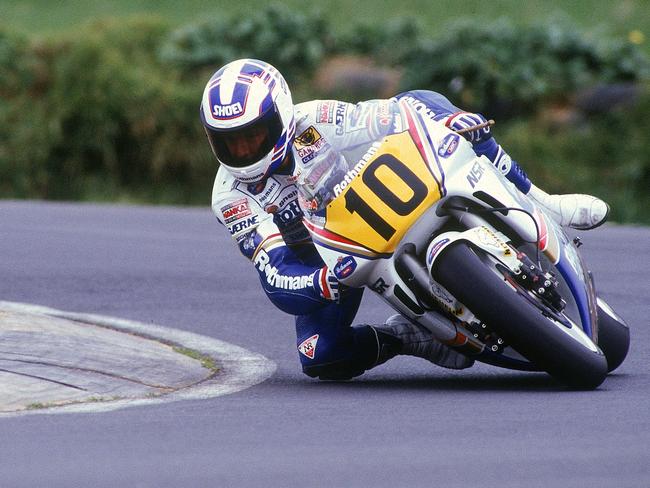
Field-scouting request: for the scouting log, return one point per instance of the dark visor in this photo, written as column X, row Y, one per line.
column 246, row 145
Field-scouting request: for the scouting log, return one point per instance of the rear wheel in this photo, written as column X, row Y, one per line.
column 551, row 341
column 613, row 335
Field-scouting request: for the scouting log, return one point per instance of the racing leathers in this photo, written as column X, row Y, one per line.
column 265, row 220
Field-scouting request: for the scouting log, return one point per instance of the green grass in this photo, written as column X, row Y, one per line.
column 206, row 361
column 614, row 17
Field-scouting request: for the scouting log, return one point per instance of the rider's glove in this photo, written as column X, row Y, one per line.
column 467, row 120
column 326, row 284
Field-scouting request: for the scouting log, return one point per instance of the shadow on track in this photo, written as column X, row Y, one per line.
column 503, row 382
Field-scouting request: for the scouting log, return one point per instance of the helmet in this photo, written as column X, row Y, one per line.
column 247, row 113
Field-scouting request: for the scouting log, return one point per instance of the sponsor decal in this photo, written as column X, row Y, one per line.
column 292, row 195
column 435, row 249
column 504, row 164
column 248, row 243
column 277, row 280
column 325, row 112
column 309, row 137
column 236, row 210
column 308, row 157
column 488, row 238
column 255, row 188
column 286, row 198
column 308, row 346
column 309, row 152
column 288, row 214
column 264, row 190
column 227, row 111
column 442, row 295
column 351, row 174
column 309, row 205
column 380, row 286
column 475, row 174
column 448, row 145
column 344, row 267
column 237, row 227
column 383, row 113
column 420, row 107
column 339, row 118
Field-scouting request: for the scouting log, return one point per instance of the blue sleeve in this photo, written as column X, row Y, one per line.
column 297, row 284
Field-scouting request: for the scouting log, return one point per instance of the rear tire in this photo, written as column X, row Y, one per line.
column 613, row 335
column 481, row 287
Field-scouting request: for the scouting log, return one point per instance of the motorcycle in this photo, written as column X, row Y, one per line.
column 416, row 216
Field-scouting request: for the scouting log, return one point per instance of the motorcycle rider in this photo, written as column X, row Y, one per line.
column 257, row 135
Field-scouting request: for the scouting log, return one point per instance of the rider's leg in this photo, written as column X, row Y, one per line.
column 417, row 341
column 330, row 349
column 572, row 210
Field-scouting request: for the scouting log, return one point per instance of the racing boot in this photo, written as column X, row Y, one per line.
column 400, row 336
column 582, row 212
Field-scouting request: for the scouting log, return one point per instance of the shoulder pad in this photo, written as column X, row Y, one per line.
column 224, row 183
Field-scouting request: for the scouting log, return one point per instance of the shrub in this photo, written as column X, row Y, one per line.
column 389, row 43
column 501, row 69
column 15, row 64
column 294, row 42
column 109, row 115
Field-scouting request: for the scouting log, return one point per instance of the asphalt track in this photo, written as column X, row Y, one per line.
column 406, row 423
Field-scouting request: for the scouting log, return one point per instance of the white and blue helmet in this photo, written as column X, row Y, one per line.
column 247, row 113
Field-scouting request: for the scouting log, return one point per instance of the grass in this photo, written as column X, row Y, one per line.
column 620, row 18
column 41, row 406
column 206, row 361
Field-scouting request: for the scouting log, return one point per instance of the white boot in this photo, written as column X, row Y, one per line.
column 417, row 341
column 582, row 212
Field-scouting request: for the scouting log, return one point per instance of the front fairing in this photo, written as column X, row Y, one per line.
column 360, row 199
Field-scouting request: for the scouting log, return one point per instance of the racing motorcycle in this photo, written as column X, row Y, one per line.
column 416, row 216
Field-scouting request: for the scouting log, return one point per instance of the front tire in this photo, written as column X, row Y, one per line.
column 480, row 286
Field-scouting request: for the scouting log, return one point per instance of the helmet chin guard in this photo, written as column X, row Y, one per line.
column 247, row 114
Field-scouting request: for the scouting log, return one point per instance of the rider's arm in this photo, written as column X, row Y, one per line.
column 442, row 110
column 294, row 283
column 486, row 145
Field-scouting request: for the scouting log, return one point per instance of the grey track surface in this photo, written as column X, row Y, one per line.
column 403, row 424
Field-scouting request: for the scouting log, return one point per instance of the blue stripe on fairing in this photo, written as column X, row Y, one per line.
column 577, row 290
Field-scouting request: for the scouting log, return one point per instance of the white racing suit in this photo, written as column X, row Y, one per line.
column 265, row 221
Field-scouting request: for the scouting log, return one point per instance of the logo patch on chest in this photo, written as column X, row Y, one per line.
column 236, row 210
column 308, row 138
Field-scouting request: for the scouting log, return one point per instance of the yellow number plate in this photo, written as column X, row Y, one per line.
column 392, row 190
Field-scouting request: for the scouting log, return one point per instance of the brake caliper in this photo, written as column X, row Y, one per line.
column 542, row 284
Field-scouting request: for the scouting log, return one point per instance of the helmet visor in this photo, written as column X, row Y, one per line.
column 246, row 145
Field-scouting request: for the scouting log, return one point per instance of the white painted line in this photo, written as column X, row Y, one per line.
column 238, row 368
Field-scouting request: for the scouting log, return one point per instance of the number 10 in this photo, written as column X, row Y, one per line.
column 354, row 202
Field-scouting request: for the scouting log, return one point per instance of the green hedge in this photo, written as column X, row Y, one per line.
column 294, row 42
column 507, row 70
column 110, row 111
column 103, row 117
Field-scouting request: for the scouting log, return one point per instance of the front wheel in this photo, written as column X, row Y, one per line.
column 520, row 318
